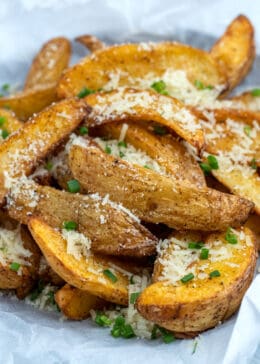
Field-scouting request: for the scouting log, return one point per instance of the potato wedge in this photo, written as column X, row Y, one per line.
column 22, row 151
column 201, row 303
column 49, row 63
column 134, row 105
column 166, row 150
column 220, row 115
column 248, row 100
column 26, row 103
column 8, row 122
column 235, row 50
column 86, row 273
column 253, row 223
column 139, row 65
column 91, row 42
column 76, row 304
column 109, row 227
column 154, row 197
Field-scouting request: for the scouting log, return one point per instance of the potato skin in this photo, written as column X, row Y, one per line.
column 190, row 308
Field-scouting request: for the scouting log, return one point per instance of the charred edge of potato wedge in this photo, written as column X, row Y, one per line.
column 156, row 198
column 190, row 309
column 76, row 304
column 235, row 50
column 86, row 273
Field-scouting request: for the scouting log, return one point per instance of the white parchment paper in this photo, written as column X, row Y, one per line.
column 31, row 336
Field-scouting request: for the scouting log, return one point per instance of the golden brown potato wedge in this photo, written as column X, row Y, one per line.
column 21, row 152
column 110, row 229
column 91, row 42
column 166, row 150
column 134, row 105
column 154, row 197
column 49, row 63
column 253, row 223
column 9, row 122
column 86, row 273
column 187, row 308
column 139, row 65
column 76, row 304
column 26, row 103
column 235, row 50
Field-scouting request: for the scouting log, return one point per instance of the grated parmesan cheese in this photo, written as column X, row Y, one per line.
column 78, row 244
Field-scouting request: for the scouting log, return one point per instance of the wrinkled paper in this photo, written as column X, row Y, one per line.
column 31, row 336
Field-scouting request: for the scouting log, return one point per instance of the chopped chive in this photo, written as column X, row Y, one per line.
column 132, row 280
column 2, row 120
column 247, row 130
column 51, row 298
column 48, row 166
column 212, row 161
column 37, row 290
column 83, row 130
column 121, row 154
column 167, row 336
column 194, row 346
column 146, row 166
column 6, row 87
column 255, row 92
column 70, row 225
column 197, row 245
column 110, row 275
column 230, row 237
column 159, row 130
column 15, row 266
column 187, row 278
column 73, row 186
column 160, row 87
column 122, row 143
column 204, row 254
column 121, row 329
column 108, row 149
column 206, row 168
column 253, row 163
column 214, row 273
column 200, row 85
column 85, row 92
column 5, row 133
column 102, row 320
column 134, row 297
column 154, row 332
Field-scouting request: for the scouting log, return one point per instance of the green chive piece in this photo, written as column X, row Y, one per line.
column 121, row 154
column 37, row 290
column 108, row 149
column 197, row 245
column 159, row 130
column 187, row 278
column 102, row 320
column 85, row 92
column 160, row 87
column 194, row 347
column 51, row 298
column 204, row 254
column 121, row 329
column 70, row 225
column 154, row 332
column 214, row 273
column 110, row 275
column 253, row 163
column 15, row 266
column 2, row 120
column 83, row 130
column 5, row 133
column 73, row 186
column 48, row 166
column 230, row 237
column 6, row 87
column 200, row 85
column 206, row 168
column 146, row 166
column 122, row 143
column 255, row 92
column 167, row 336
column 134, row 297
column 127, row 331
column 247, row 130
column 132, row 280
column 212, row 161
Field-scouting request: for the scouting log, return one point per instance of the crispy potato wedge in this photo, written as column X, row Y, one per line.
column 166, row 150
column 9, row 121
column 134, row 105
column 110, row 229
column 91, row 42
column 22, row 151
column 154, row 197
column 129, row 65
column 49, row 63
column 253, row 223
column 201, row 303
column 220, row 115
column 76, row 304
column 235, row 50
column 21, row 281
column 26, row 103
column 86, row 273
